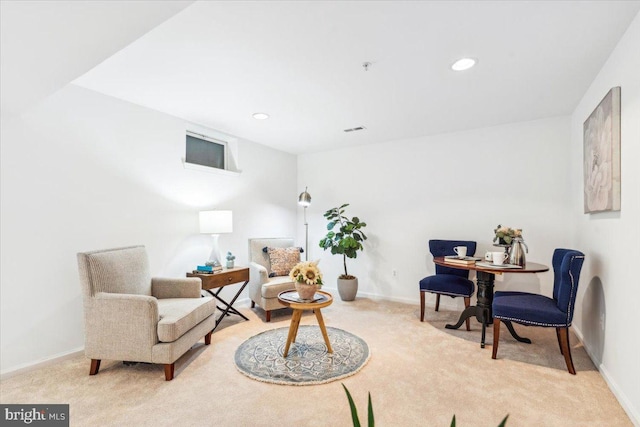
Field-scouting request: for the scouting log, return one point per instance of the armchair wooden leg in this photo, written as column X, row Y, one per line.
column 168, row 371
column 95, row 366
column 467, row 302
column 268, row 313
column 437, row 302
column 253, row 304
column 422, row 306
column 496, row 337
column 566, row 349
column 207, row 338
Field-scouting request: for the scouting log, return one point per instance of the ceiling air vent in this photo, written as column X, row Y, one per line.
column 355, row 129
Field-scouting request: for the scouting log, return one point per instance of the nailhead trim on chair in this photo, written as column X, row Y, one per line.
column 529, row 322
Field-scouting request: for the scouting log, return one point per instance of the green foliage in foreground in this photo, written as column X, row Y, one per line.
column 502, row 424
column 371, row 422
column 354, row 410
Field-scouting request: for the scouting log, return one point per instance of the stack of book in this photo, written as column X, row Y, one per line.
column 455, row 259
column 207, row 269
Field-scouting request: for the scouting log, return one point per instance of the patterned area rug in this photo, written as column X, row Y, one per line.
column 308, row 362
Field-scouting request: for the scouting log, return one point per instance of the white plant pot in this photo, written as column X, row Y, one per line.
column 348, row 288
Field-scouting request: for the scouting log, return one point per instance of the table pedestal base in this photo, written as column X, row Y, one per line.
column 483, row 311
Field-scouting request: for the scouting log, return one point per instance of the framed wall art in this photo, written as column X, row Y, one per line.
column 602, row 155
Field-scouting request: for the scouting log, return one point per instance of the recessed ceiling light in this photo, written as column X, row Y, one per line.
column 260, row 116
column 464, row 64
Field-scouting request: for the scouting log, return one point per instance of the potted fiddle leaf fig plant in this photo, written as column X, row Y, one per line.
column 344, row 237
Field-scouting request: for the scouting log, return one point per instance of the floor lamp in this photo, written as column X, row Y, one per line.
column 304, row 200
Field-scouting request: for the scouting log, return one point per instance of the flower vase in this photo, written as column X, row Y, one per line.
column 306, row 292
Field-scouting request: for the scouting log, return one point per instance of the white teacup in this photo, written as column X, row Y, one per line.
column 461, row 251
column 488, row 256
column 499, row 258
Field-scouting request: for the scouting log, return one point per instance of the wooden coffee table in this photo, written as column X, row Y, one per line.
column 298, row 308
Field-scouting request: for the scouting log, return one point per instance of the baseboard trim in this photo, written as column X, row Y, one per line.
column 632, row 413
column 634, row 416
column 406, row 300
column 42, row 363
column 596, row 361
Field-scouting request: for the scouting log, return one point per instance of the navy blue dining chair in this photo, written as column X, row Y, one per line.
column 538, row 310
column 453, row 282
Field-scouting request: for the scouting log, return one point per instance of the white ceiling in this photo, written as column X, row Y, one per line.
column 46, row 44
column 216, row 63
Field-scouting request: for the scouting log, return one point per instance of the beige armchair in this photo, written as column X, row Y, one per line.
column 130, row 316
column 264, row 290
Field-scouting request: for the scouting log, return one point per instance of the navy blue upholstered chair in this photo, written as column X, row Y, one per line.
column 538, row 310
column 450, row 281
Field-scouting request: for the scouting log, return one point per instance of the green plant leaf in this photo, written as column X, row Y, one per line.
column 504, row 421
column 352, row 405
column 370, row 412
column 330, row 225
column 453, row 421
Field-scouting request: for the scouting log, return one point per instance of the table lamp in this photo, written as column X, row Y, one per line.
column 216, row 223
column 304, row 199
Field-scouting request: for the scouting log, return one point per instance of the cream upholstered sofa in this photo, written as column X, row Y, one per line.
column 130, row 316
column 264, row 290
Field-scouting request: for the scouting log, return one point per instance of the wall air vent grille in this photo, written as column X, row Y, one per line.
column 355, row 129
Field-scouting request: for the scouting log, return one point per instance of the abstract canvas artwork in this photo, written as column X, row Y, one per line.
column 602, row 155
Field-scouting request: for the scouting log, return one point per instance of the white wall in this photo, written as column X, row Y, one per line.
column 606, row 314
column 453, row 186
column 84, row 171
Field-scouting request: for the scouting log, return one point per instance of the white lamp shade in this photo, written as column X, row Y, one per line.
column 216, row 222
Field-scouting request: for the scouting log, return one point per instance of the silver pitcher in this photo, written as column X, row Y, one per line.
column 517, row 252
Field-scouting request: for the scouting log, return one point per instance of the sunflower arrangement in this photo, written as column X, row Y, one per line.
column 306, row 272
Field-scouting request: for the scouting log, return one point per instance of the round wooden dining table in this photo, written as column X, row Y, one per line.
column 485, row 276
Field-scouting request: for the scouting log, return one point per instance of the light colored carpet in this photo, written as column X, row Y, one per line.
column 419, row 374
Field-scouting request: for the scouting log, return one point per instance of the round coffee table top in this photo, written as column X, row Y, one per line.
column 286, row 298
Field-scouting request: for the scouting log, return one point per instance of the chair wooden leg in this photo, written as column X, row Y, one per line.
column 467, row 303
column 422, row 306
column 268, row 313
column 566, row 349
column 168, row 371
column 437, row 302
column 253, row 304
column 496, row 337
column 95, row 366
column 559, row 343
column 207, row 338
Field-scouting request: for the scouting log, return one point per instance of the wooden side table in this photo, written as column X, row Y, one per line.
column 298, row 308
column 219, row 280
